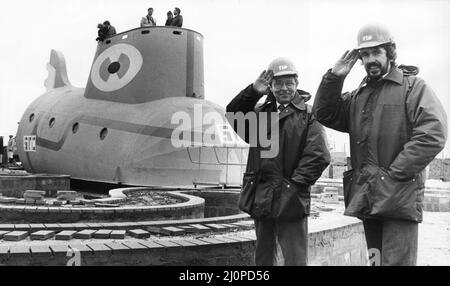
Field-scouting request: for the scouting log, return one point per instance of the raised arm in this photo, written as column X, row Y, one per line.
column 330, row 107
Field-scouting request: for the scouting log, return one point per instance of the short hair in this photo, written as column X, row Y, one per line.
column 178, row 10
column 169, row 13
column 150, row 9
column 391, row 51
column 106, row 23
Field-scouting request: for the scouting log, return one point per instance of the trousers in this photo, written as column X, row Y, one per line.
column 281, row 240
column 392, row 242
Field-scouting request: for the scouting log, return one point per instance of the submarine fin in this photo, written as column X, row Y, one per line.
column 57, row 72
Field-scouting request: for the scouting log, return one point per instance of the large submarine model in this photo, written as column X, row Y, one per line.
column 120, row 128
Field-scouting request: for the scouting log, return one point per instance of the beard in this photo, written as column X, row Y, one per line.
column 376, row 70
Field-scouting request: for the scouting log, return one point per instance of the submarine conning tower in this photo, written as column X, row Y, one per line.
column 146, row 64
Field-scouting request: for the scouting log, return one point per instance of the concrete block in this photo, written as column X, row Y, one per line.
column 118, row 234
column 65, row 235
column 134, row 245
column 3, row 232
column 138, row 233
column 52, row 226
column 58, row 203
column 85, row 234
column 40, row 250
column 117, row 247
column 19, row 250
column 20, row 201
column 81, row 248
column 4, row 252
column 7, row 200
column 59, row 249
column 66, row 195
column 102, row 233
column 22, row 226
column 174, row 230
column 80, row 226
column 150, row 244
column 87, row 202
column 94, row 225
column 167, row 243
column 40, row 202
column 15, row 235
column 42, row 235
column 35, row 194
column 157, row 230
column 99, row 248
column 36, row 226
column 201, row 228
column 7, row 226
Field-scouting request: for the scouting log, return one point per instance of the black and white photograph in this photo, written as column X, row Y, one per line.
column 225, row 133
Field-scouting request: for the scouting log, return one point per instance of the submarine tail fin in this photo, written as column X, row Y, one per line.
column 57, row 72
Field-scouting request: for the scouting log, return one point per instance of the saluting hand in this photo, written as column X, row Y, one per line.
column 261, row 85
column 345, row 64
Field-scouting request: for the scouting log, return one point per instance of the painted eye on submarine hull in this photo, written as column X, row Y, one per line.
column 115, row 67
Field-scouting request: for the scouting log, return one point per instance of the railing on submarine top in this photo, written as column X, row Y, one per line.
column 240, row 158
column 146, row 30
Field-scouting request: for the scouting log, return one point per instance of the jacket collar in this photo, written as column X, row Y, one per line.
column 395, row 75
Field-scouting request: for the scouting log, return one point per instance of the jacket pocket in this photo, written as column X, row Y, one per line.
column 295, row 201
column 247, row 196
column 356, row 194
column 263, row 200
column 394, row 199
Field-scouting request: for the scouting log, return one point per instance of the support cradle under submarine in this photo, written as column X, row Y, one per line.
column 118, row 129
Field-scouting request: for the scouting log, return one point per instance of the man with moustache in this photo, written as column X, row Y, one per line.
column 282, row 181
column 397, row 126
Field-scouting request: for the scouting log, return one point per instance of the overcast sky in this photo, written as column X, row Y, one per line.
column 241, row 37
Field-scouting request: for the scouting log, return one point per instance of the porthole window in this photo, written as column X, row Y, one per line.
column 103, row 133
column 75, row 127
column 31, row 117
column 51, row 122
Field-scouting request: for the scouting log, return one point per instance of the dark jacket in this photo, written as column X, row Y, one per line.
column 177, row 21
column 283, row 185
column 396, row 126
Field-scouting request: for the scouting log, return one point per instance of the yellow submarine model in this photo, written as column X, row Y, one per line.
column 120, row 129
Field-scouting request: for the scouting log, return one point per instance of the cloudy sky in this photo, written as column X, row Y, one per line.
column 240, row 38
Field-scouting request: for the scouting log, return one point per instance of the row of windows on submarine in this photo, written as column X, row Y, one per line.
column 107, row 30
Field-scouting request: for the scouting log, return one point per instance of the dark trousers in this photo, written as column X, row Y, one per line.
column 391, row 243
column 289, row 237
